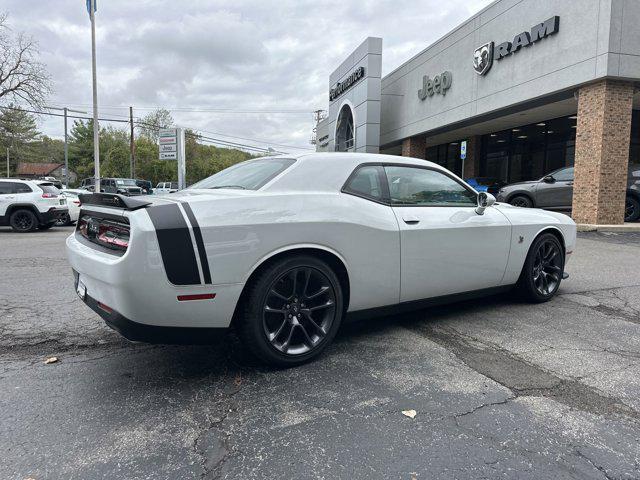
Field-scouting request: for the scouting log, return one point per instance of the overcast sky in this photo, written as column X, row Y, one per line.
column 240, row 55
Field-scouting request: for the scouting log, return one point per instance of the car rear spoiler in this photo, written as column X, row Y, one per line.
column 112, row 200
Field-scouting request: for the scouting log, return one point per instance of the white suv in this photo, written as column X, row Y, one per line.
column 27, row 205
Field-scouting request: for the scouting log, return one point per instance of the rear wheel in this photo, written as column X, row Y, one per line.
column 292, row 311
column 631, row 209
column 543, row 269
column 23, row 221
column 521, row 201
column 63, row 220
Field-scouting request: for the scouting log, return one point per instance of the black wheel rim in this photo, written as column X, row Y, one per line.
column 519, row 202
column 547, row 268
column 63, row 220
column 299, row 310
column 629, row 210
column 23, row 221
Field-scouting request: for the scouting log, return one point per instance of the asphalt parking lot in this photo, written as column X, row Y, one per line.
column 501, row 389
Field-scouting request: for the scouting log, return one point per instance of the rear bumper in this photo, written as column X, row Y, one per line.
column 52, row 214
column 140, row 332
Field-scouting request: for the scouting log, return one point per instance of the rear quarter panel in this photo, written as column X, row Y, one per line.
column 241, row 233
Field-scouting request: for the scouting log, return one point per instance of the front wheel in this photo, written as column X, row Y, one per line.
column 292, row 311
column 631, row 209
column 521, row 201
column 543, row 269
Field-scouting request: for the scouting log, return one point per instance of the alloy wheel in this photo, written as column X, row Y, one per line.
column 519, row 202
column 63, row 220
column 629, row 209
column 23, row 221
column 547, row 268
column 298, row 310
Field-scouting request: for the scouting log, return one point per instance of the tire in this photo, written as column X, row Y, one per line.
column 63, row 220
column 286, row 322
column 46, row 226
column 23, row 221
column 631, row 209
column 539, row 282
column 521, row 201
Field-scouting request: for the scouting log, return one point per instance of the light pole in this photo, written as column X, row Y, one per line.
column 96, row 126
column 66, row 141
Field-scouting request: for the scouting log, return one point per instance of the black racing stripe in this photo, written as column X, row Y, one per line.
column 175, row 242
column 197, row 233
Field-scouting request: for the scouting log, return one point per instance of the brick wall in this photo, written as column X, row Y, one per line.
column 415, row 147
column 602, row 152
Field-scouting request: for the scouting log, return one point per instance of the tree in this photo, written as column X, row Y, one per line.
column 154, row 121
column 22, row 76
column 17, row 132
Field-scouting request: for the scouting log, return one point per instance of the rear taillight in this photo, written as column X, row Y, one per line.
column 49, row 195
column 77, row 202
column 108, row 233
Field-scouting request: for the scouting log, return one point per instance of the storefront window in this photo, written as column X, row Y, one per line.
column 529, row 152
column 634, row 151
column 345, row 130
column 446, row 155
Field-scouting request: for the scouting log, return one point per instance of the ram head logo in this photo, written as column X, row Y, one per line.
column 483, row 58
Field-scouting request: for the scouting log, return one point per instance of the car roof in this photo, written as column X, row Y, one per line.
column 330, row 170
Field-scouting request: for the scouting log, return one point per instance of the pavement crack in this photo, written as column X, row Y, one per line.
column 600, row 468
column 521, row 377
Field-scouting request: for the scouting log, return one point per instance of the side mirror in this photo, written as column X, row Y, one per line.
column 485, row 200
column 549, row 179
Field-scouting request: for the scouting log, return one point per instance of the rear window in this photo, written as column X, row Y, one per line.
column 249, row 175
column 49, row 188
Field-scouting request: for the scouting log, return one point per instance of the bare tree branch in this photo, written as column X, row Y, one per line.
column 22, row 76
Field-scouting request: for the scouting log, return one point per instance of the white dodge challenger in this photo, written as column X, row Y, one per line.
column 283, row 248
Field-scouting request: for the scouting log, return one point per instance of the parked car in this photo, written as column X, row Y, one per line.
column 286, row 246
column 27, row 205
column 73, row 202
column 555, row 192
column 146, row 186
column 486, row 184
column 166, row 187
column 123, row 186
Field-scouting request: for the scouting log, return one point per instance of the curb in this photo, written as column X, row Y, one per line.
column 627, row 227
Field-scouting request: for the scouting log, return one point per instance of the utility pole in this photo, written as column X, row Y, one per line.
column 7, row 162
column 96, row 126
column 66, row 141
column 132, row 146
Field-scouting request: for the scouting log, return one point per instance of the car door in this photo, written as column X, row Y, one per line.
column 446, row 247
column 7, row 196
column 558, row 192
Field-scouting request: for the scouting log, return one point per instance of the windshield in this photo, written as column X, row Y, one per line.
column 127, row 181
column 249, row 175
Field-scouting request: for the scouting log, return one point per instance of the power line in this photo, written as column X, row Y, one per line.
column 204, row 110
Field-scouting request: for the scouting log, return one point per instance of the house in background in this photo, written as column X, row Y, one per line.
column 41, row 170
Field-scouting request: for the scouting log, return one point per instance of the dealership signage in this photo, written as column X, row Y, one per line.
column 168, row 142
column 439, row 85
column 484, row 55
column 345, row 85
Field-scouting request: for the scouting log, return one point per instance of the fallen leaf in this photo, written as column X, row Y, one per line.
column 50, row 360
column 409, row 413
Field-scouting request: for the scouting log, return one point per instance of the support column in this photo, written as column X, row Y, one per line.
column 472, row 163
column 602, row 152
column 415, row 147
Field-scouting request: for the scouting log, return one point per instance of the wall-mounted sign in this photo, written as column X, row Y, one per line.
column 345, row 85
column 439, row 85
column 484, row 55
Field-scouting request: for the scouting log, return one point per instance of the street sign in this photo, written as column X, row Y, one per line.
column 463, row 150
column 168, row 147
column 168, row 155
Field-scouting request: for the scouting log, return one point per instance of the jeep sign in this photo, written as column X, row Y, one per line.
column 439, row 85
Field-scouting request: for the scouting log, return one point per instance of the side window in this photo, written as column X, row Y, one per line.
column 421, row 186
column 172, row 186
column 565, row 175
column 6, row 188
column 366, row 183
column 21, row 188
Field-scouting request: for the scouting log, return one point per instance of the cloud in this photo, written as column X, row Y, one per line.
column 215, row 54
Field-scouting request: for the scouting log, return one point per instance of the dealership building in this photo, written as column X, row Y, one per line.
column 523, row 88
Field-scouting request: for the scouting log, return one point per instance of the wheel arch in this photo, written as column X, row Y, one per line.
column 331, row 257
column 23, row 206
column 554, row 231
